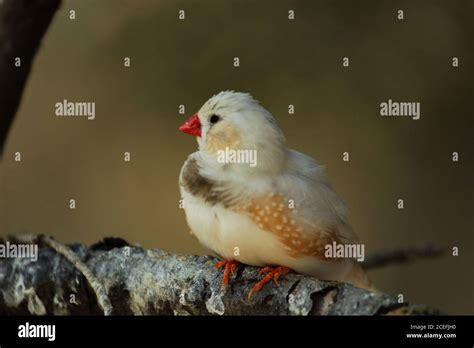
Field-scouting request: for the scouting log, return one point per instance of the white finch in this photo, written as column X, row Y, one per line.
column 250, row 199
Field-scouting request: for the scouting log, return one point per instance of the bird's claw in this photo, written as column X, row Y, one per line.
column 230, row 267
column 271, row 273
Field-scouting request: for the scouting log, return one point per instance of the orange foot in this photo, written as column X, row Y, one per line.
column 229, row 267
column 272, row 272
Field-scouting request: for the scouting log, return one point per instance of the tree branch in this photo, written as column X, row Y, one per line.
column 404, row 255
column 22, row 26
column 140, row 281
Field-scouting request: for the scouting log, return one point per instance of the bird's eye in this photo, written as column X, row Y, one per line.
column 214, row 119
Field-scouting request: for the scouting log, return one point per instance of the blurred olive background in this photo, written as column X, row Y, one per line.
column 282, row 62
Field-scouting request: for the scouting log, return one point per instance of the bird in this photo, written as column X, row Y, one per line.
column 278, row 212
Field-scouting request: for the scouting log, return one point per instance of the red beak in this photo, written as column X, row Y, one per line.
column 192, row 126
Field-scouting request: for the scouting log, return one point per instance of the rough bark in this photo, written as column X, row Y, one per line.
column 22, row 26
column 140, row 281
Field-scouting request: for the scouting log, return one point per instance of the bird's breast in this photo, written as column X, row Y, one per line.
column 229, row 234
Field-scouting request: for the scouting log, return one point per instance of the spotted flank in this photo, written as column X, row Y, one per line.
column 272, row 214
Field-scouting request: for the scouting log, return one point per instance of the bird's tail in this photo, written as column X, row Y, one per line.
column 358, row 277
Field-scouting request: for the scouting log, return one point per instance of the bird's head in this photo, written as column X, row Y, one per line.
column 232, row 123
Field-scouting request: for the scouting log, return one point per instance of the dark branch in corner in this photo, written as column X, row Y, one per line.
column 139, row 281
column 22, row 26
column 405, row 255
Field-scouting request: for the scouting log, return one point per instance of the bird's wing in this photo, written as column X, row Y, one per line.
column 310, row 178
column 301, row 209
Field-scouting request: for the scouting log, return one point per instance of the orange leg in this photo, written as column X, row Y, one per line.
column 271, row 273
column 229, row 267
